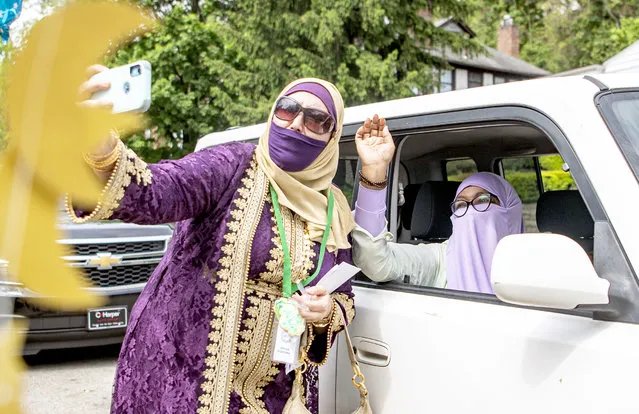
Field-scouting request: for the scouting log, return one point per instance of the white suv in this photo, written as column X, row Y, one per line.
column 562, row 333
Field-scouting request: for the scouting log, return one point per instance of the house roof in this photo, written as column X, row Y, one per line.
column 454, row 25
column 493, row 60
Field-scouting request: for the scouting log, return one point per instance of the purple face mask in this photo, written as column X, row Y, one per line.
column 292, row 151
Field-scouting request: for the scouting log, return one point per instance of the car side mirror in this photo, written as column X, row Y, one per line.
column 545, row 270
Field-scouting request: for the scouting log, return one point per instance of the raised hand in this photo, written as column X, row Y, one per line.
column 375, row 148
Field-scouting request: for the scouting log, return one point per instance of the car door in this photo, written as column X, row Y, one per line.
column 441, row 351
column 425, row 352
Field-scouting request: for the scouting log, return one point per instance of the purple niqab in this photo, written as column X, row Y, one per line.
column 476, row 234
column 290, row 150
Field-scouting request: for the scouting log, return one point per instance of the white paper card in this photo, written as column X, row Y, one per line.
column 289, row 367
column 286, row 348
column 337, row 276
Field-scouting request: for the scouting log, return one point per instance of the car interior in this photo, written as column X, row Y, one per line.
column 424, row 189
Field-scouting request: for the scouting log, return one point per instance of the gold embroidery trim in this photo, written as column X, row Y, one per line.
column 257, row 370
column 254, row 368
column 300, row 247
column 349, row 307
column 229, row 300
column 262, row 288
column 127, row 167
column 275, row 266
column 302, row 252
column 309, row 253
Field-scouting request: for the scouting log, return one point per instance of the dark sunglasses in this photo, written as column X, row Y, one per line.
column 479, row 203
column 315, row 120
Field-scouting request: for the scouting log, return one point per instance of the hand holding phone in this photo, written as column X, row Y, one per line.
column 129, row 87
column 106, row 88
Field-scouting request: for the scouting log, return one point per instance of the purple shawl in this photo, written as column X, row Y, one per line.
column 475, row 235
column 319, row 91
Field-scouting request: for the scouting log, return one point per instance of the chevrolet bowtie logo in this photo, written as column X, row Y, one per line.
column 104, row 261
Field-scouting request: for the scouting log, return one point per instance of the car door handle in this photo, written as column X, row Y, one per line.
column 371, row 351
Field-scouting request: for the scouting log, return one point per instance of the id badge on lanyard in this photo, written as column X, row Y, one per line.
column 290, row 324
column 286, row 347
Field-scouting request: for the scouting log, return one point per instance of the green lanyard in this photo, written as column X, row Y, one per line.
column 287, row 284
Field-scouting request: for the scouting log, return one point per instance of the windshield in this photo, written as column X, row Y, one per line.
column 621, row 112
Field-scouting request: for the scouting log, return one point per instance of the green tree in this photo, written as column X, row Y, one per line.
column 218, row 64
column 558, row 35
column 626, row 34
column 196, row 88
column 527, row 14
column 372, row 50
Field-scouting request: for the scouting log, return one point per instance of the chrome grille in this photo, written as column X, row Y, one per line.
column 120, row 275
column 117, row 248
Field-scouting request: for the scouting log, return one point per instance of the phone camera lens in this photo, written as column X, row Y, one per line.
column 126, row 87
column 135, row 71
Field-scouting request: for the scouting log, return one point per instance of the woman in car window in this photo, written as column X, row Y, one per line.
column 253, row 224
column 486, row 208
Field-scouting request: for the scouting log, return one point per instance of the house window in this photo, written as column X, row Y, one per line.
column 499, row 79
column 475, row 79
column 446, row 80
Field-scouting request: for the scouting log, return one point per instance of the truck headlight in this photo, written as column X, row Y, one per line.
column 9, row 289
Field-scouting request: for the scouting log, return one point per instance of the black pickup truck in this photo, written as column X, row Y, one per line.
column 117, row 258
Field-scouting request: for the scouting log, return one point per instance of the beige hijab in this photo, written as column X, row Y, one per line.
column 306, row 192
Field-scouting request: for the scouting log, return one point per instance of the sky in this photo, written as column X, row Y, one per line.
column 31, row 12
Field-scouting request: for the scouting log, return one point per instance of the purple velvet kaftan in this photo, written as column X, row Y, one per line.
column 199, row 337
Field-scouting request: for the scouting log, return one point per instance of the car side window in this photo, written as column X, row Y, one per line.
column 457, row 170
column 522, row 173
column 345, row 176
column 555, row 178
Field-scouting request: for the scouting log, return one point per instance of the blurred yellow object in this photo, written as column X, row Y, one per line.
column 11, row 338
column 49, row 134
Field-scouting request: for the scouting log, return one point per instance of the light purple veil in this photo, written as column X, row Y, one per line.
column 476, row 234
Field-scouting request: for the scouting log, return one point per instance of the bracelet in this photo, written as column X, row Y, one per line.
column 109, row 184
column 104, row 163
column 323, row 323
column 370, row 184
column 102, row 157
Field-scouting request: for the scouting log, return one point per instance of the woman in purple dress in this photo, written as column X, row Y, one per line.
column 201, row 333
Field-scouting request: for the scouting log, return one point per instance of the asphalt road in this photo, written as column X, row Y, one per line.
column 70, row 381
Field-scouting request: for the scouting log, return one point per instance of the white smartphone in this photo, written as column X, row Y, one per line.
column 130, row 89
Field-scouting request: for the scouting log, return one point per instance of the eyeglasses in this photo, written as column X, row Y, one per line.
column 479, row 203
column 315, row 120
